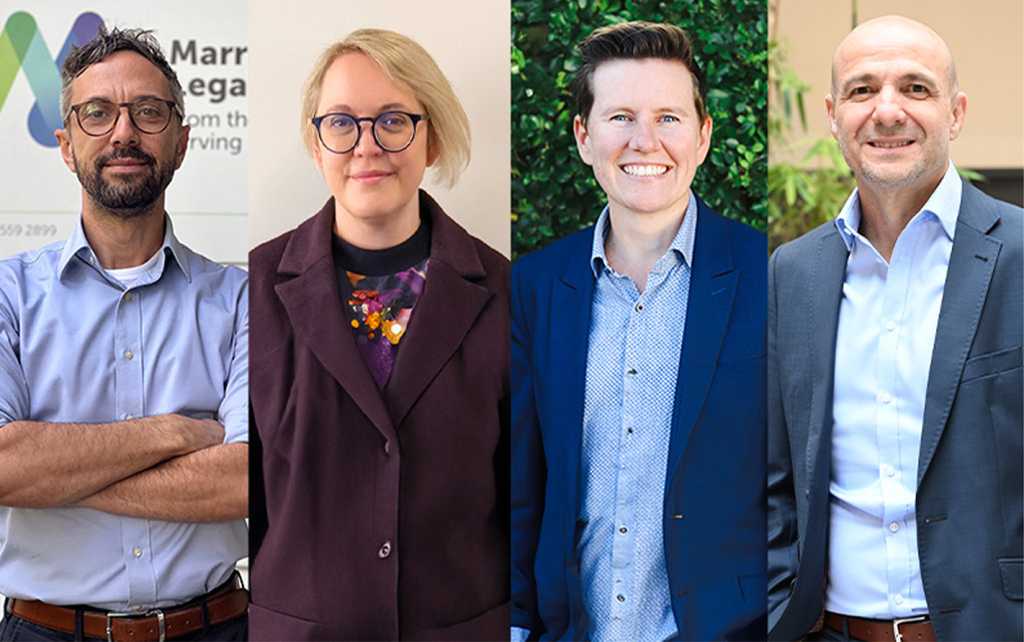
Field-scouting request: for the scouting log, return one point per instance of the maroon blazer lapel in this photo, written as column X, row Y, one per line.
column 450, row 303
column 313, row 302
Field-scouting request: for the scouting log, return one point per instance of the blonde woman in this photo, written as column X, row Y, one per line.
column 380, row 375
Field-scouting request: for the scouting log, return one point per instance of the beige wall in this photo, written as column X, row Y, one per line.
column 986, row 39
column 470, row 42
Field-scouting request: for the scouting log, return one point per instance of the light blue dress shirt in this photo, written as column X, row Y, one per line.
column 77, row 347
column 888, row 318
column 632, row 363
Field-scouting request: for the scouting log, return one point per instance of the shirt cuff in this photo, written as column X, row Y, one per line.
column 518, row 634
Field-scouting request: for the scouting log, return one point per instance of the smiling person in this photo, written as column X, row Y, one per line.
column 123, row 386
column 380, row 375
column 637, row 377
column 894, row 371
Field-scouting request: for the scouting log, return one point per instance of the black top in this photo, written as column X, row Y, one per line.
column 390, row 260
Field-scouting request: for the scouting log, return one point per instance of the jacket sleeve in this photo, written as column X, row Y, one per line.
column 529, row 472
column 782, row 516
column 258, row 522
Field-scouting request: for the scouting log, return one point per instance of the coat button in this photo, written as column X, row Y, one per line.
column 385, row 550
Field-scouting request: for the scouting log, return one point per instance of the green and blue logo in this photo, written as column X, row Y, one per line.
column 22, row 46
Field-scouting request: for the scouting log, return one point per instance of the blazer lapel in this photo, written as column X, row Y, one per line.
column 822, row 325
column 313, row 302
column 712, row 287
column 575, row 296
column 449, row 305
column 971, row 264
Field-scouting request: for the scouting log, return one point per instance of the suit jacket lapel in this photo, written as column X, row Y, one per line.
column 822, row 325
column 575, row 294
column 449, row 305
column 313, row 302
column 712, row 287
column 971, row 264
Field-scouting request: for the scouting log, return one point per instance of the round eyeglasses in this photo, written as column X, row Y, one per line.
column 148, row 115
column 393, row 130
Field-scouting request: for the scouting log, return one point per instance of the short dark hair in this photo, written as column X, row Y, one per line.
column 634, row 40
column 107, row 43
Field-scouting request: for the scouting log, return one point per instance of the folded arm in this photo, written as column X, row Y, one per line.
column 44, row 465
column 209, row 485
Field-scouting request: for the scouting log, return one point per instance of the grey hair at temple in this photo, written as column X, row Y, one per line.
column 107, row 43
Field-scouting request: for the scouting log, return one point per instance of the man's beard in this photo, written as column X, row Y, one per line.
column 125, row 196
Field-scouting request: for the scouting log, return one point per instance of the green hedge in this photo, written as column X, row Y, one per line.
column 553, row 192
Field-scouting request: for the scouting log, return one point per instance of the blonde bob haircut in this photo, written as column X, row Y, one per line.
column 408, row 64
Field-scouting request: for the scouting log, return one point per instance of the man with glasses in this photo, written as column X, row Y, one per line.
column 123, row 386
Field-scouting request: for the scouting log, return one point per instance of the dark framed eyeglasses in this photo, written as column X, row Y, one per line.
column 148, row 115
column 393, row 131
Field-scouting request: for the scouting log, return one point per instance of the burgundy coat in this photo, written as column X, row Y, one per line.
column 379, row 514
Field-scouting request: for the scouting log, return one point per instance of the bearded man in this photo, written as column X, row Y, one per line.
column 123, row 386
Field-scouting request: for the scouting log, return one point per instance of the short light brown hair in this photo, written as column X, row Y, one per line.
column 408, row 64
column 637, row 40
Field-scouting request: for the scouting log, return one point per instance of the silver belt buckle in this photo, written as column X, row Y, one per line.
column 895, row 625
column 161, row 624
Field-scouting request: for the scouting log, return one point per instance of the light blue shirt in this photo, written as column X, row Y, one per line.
column 888, row 318
column 77, row 347
column 632, row 363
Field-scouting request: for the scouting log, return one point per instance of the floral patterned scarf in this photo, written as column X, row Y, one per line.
column 379, row 309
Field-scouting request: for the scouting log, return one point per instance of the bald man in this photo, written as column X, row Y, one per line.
column 894, row 374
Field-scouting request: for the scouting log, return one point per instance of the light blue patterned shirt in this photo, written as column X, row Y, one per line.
column 632, row 363
column 77, row 347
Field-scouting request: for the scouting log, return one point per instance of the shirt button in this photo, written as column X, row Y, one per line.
column 888, row 470
column 898, row 599
column 623, row 530
column 137, row 552
column 629, row 431
column 126, row 416
column 631, row 371
column 620, row 597
column 128, row 296
column 890, row 326
column 639, row 307
column 884, row 398
column 128, row 354
column 385, row 550
column 894, row 526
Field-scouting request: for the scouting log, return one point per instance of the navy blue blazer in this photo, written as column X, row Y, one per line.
column 714, row 512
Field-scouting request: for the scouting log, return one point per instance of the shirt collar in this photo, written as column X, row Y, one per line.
column 944, row 204
column 78, row 245
column 682, row 243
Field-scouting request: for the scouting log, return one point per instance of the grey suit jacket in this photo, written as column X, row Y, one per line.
column 970, row 508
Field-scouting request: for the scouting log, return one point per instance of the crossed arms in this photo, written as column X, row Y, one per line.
column 167, row 467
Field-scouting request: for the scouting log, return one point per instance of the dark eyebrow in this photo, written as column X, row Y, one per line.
column 108, row 99
column 905, row 78
column 919, row 78
column 857, row 80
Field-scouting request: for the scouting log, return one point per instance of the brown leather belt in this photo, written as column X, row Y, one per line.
column 155, row 625
column 915, row 629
